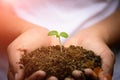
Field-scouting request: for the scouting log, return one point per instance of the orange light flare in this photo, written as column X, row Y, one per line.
column 7, row 5
column 7, row 1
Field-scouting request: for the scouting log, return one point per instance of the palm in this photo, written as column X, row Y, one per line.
column 27, row 42
column 92, row 41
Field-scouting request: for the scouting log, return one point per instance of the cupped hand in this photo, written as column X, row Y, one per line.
column 91, row 39
column 28, row 41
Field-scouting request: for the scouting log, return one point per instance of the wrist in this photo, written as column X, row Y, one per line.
column 109, row 28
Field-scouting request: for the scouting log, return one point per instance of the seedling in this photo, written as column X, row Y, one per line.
column 58, row 35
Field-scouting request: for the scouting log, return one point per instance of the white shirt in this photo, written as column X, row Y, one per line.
column 65, row 15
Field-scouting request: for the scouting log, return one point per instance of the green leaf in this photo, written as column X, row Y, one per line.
column 64, row 34
column 53, row 32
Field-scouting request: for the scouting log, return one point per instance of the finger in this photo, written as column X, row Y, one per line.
column 37, row 75
column 107, row 77
column 15, row 67
column 78, row 75
column 69, row 78
column 19, row 75
column 10, row 75
column 52, row 78
column 103, row 76
column 91, row 74
column 108, row 61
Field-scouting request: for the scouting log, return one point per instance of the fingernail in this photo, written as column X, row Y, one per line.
column 69, row 78
column 52, row 78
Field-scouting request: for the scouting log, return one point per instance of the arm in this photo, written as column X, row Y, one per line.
column 98, row 38
column 17, row 36
column 11, row 27
column 109, row 28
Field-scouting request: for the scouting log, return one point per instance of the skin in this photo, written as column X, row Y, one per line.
column 98, row 38
column 18, row 40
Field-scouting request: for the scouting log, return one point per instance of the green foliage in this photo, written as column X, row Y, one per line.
column 58, row 35
column 64, row 34
column 53, row 32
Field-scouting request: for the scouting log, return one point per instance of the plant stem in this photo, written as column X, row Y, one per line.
column 60, row 44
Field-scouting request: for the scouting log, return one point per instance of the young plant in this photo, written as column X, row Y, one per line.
column 58, row 35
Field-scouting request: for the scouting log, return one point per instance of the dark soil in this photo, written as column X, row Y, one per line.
column 60, row 64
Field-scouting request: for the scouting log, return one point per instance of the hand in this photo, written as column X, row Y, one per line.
column 28, row 41
column 92, row 39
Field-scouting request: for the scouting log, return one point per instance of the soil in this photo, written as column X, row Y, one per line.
column 60, row 64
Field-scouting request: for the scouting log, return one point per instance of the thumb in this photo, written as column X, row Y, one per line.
column 54, row 41
column 72, row 41
column 15, row 68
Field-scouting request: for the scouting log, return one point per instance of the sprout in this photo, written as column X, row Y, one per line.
column 58, row 35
